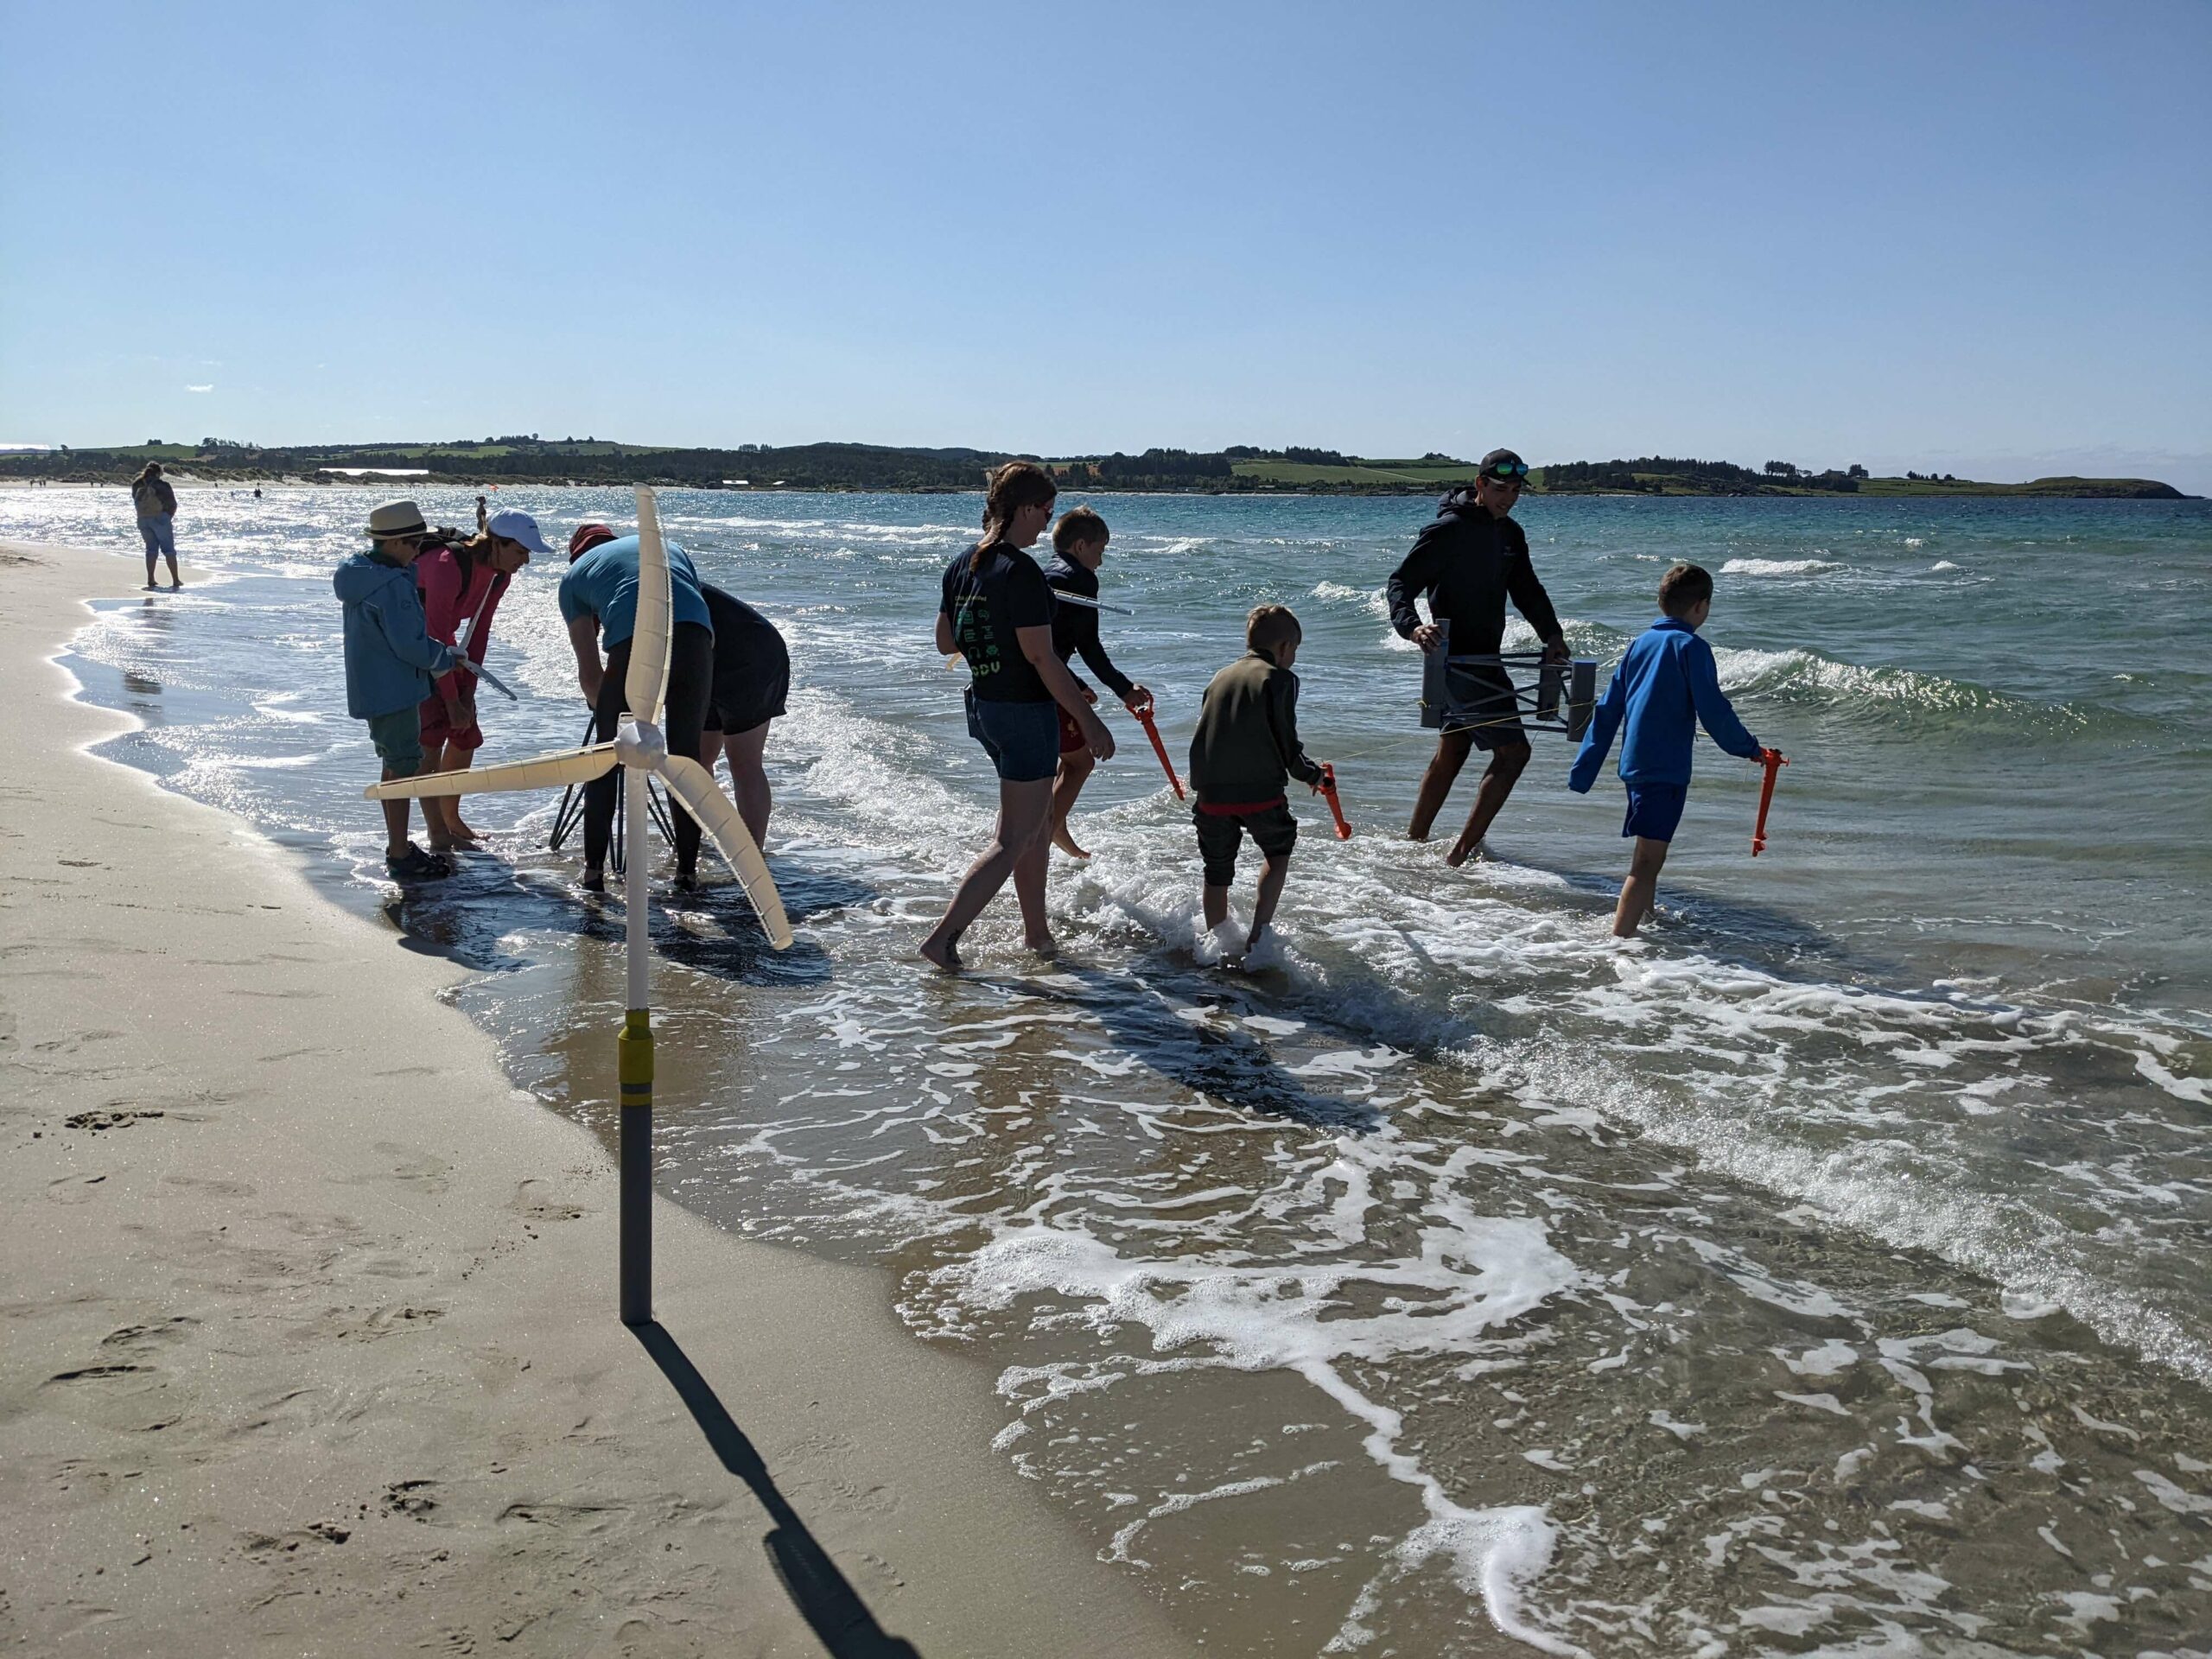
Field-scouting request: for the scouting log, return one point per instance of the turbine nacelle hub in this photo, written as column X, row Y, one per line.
column 638, row 743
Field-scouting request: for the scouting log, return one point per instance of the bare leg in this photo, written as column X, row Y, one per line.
column 395, row 815
column 1023, row 811
column 1506, row 764
column 1029, row 873
column 456, row 758
column 748, row 778
column 442, row 814
column 1216, row 903
column 1075, row 771
column 1640, row 890
column 1436, row 783
column 1272, row 877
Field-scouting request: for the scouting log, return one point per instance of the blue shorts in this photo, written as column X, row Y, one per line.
column 1655, row 809
column 1022, row 738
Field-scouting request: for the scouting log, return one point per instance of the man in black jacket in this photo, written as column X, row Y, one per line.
column 1469, row 562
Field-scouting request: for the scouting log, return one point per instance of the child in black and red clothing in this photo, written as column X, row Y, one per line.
column 1078, row 548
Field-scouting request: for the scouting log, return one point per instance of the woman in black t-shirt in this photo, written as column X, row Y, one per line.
column 997, row 613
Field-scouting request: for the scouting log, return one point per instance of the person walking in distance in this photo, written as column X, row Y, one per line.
column 1468, row 561
column 155, row 502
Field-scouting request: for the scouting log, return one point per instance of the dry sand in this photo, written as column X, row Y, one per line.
column 307, row 1341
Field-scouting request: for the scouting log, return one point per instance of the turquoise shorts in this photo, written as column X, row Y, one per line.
column 398, row 737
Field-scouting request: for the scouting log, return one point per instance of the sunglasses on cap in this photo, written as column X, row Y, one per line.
column 1507, row 472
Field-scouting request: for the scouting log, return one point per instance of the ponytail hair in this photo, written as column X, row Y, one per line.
column 1016, row 485
column 464, row 555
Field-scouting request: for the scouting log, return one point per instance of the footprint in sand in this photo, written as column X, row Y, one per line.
column 411, row 1498
column 114, row 1118
column 530, row 1207
column 72, row 1189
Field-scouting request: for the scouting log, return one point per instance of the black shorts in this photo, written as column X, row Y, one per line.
column 743, row 701
column 1273, row 830
column 1484, row 708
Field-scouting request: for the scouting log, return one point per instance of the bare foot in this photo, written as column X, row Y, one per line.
column 1416, row 835
column 1047, row 947
column 944, row 954
column 1461, row 853
column 463, row 832
column 1066, row 842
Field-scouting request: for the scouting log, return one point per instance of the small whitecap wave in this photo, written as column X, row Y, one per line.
column 1915, row 541
column 1367, row 599
column 1943, row 564
column 1778, row 567
column 1906, row 694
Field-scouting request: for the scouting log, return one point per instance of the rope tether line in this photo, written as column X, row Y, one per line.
column 1562, row 700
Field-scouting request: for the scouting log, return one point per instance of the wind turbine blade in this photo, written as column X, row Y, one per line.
column 647, row 681
column 545, row 772
column 694, row 785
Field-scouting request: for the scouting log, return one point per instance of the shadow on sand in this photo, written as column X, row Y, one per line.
column 832, row 1608
column 1226, row 1065
column 466, row 918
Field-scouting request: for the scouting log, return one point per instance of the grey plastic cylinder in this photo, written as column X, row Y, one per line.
column 1581, row 696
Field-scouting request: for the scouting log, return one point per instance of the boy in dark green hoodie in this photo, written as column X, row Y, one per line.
column 1244, row 753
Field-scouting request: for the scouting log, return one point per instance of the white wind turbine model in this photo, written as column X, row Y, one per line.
column 640, row 747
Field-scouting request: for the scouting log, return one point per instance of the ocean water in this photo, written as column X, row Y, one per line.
column 1823, row 1274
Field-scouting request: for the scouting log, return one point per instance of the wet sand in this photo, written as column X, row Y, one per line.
column 308, row 1340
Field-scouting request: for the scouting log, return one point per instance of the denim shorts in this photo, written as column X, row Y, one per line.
column 1654, row 810
column 1022, row 738
column 398, row 737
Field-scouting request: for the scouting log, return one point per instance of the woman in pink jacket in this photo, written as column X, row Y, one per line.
column 461, row 582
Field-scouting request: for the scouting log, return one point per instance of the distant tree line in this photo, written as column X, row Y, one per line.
column 1174, row 465
column 1651, row 474
column 1294, row 452
column 875, row 466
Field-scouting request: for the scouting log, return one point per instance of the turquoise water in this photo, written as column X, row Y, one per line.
column 1824, row 1271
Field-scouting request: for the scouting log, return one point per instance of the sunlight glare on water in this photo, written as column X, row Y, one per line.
column 1823, row 1273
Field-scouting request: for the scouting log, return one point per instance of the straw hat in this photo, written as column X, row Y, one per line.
column 396, row 519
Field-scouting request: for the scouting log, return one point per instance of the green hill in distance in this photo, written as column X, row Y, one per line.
column 1240, row 469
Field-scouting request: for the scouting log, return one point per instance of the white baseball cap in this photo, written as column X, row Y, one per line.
column 518, row 527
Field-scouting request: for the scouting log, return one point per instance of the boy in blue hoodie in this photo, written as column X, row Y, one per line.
column 389, row 661
column 1665, row 685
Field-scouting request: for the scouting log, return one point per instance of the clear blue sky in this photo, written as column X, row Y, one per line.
column 1974, row 238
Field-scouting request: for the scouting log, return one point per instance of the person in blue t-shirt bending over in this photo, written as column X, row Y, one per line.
column 1665, row 685
column 599, row 600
